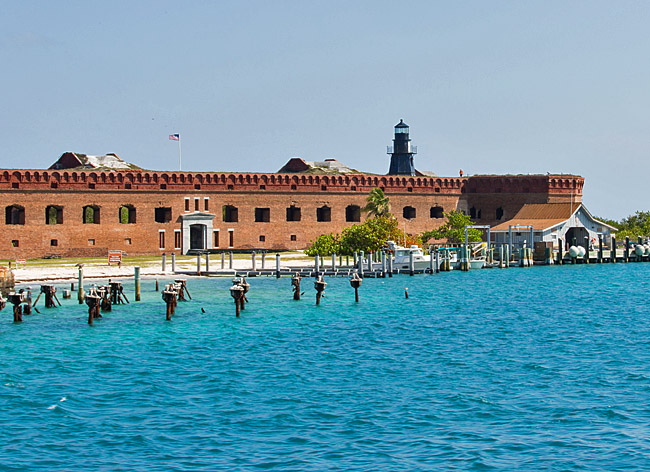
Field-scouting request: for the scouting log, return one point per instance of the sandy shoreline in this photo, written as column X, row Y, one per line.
column 69, row 272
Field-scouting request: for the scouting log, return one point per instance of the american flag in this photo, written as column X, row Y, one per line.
column 174, row 137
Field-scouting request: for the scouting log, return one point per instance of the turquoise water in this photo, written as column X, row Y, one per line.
column 521, row 369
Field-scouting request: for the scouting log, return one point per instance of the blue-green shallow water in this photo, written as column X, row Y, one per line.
column 521, row 369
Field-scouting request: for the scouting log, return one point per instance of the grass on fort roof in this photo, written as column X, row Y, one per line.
column 144, row 261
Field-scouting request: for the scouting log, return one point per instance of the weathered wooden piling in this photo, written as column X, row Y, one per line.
column 183, row 289
column 316, row 266
column 586, row 246
column 207, row 262
column 237, row 292
column 370, row 259
column 80, row 294
column 437, row 261
column 612, row 252
column 198, row 264
column 17, row 299
column 164, row 262
column 117, row 292
column 295, row 284
column 383, row 264
column 263, row 259
column 560, row 255
column 359, row 263
column 277, row 266
column 246, row 286
column 105, row 294
column 169, row 295
column 320, row 285
column 627, row 249
column 548, row 256
column 92, row 299
column 333, row 262
column 355, row 282
column 157, row 288
column 230, row 260
column 28, row 304
column 406, row 293
column 600, row 248
column 136, row 275
column 464, row 261
column 67, row 293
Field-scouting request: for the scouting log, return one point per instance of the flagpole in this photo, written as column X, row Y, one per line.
column 179, row 152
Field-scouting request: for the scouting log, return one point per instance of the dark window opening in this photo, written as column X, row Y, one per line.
column 127, row 186
column 206, row 205
column 163, row 186
column 197, row 186
column 15, row 215
column 230, row 214
column 499, row 213
column 54, row 242
column 15, row 243
column 293, row 237
column 163, row 214
column 436, row 212
column 262, row 238
column 15, row 185
column 437, row 189
column 294, row 187
column 127, row 214
column 353, row 187
column 54, row 185
column 262, row 215
column 323, row 187
column 91, row 186
column 91, row 215
column 472, row 212
column 324, row 213
column 196, row 204
column 353, row 213
column 177, row 239
column 408, row 212
column 187, row 204
column 478, row 215
column 231, row 238
column 231, row 187
column 216, row 238
column 293, row 213
column 53, row 215
column 409, row 189
column 161, row 240
column 262, row 187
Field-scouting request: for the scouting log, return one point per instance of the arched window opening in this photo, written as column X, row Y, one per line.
column 91, row 215
column 353, row 213
column 53, row 215
column 436, row 212
column 293, row 213
column 127, row 214
column 15, row 215
column 163, row 214
column 499, row 214
column 230, row 214
column 324, row 213
column 408, row 212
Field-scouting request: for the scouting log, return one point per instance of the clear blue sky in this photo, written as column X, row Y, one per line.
column 489, row 87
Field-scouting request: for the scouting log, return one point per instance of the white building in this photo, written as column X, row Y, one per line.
column 552, row 222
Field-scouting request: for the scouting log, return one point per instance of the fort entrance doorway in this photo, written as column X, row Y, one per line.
column 196, row 228
column 198, row 236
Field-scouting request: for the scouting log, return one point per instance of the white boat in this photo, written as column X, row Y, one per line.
column 421, row 261
column 476, row 261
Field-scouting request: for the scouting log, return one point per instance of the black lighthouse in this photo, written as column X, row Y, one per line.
column 401, row 152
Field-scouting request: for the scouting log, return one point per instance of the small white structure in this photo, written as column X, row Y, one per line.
column 552, row 222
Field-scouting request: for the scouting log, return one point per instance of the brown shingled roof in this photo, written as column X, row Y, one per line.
column 540, row 215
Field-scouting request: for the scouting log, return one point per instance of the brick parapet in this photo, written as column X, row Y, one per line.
column 212, row 181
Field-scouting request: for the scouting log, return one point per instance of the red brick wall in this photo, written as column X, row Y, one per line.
column 72, row 192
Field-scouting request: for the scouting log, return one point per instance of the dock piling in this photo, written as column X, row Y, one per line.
column 173, row 262
column 164, row 262
column 136, row 275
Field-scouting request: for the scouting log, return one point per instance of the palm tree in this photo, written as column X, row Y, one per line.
column 377, row 203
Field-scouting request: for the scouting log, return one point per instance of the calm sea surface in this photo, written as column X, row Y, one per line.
column 522, row 369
